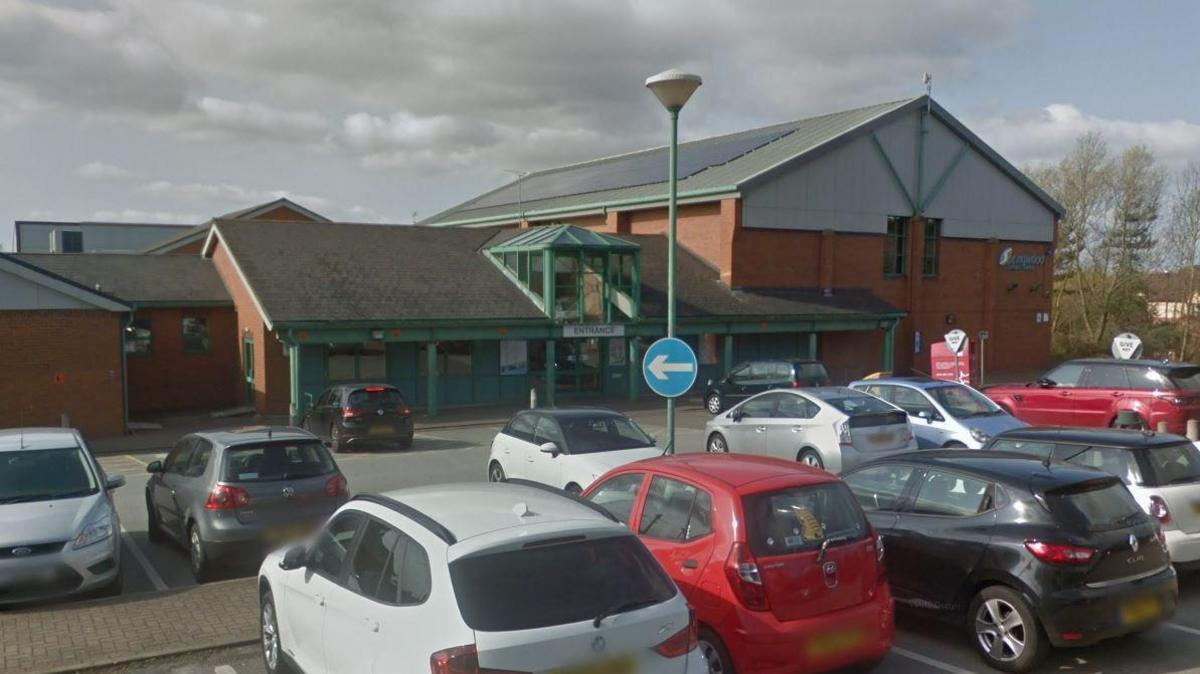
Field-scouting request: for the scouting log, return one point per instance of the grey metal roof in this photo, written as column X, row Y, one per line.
column 140, row 279
column 189, row 235
column 708, row 167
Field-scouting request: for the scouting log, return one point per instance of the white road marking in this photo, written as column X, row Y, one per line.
column 936, row 664
column 1183, row 628
column 224, row 669
column 155, row 579
column 134, row 458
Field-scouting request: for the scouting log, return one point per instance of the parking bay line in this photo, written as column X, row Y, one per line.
column 1183, row 628
column 155, row 579
column 936, row 664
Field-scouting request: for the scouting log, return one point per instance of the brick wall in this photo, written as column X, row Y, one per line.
column 169, row 379
column 62, row 361
column 272, row 377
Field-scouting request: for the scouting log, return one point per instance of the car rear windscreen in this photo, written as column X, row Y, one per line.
column 375, row 396
column 276, row 461
column 800, row 519
column 854, row 405
column 1173, row 464
column 557, row 583
column 811, row 372
column 1095, row 505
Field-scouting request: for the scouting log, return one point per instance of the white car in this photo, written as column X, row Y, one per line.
column 473, row 578
column 567, row 448
column 943, row 413
column 834, row 428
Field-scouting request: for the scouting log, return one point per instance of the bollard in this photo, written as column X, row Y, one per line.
column 533, row 398
column 1162, row 427
column 1193, row 430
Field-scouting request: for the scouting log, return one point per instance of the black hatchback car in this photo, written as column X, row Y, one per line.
column 349, row 415
column 756, row 376
column 1032, row 553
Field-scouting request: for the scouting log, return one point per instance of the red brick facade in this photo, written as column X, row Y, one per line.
column 59, row 362
column 170, row 379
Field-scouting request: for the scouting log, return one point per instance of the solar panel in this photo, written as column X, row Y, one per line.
column 643, row 168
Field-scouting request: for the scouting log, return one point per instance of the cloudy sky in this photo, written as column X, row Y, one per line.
column 371, row 110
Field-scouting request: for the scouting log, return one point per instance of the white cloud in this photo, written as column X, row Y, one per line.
column 235, row 196
column 98, row 170
column 1046, row 135
column 256, row 120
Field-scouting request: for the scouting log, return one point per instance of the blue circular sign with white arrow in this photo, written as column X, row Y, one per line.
column 670, row 367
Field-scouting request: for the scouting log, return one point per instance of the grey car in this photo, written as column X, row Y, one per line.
column 943, row 413
column 59, row 531
column 233, row 495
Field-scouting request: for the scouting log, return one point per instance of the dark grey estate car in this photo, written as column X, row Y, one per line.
column 233, row 494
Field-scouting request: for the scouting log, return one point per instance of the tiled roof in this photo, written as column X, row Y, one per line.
column 140, row 279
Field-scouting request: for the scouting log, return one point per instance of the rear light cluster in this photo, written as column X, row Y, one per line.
column 880, row 566
column 461, row 660
column 226, row 497
column 337, row 486
column 351, row 413
column 404, row 410
column 682, row 642
column 1159, row 510
column 844, row 436
column 1060, row 553
column 744, row 578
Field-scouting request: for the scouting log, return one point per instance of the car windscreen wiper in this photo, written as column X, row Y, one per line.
column 88, row 491
column 622, row 608
column 829, row 541
column 26, row 498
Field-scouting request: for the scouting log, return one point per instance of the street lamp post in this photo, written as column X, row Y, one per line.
column 673, row 88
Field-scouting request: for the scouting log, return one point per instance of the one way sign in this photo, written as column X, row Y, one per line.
column 670, row 367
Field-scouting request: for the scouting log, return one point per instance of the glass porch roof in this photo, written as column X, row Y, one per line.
column 563, row 237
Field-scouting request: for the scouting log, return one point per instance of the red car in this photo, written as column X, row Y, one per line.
column 784, row 572
column 1094, row 391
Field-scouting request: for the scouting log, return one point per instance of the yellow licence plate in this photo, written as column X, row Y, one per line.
column 833, row 644
column 287, row 534
column 882, row 438
column 381, row 430
column 1196, row 507
column 1140, row 610
column 619, row 666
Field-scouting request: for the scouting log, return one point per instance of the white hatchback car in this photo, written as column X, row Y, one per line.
column 567, row 448
column 834, row 428
column 473, row 578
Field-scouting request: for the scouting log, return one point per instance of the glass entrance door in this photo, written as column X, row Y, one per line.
column 580, row 364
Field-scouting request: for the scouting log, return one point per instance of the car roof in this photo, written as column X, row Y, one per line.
column 18, row 439
column 1141, row 362
column 572, row 412
column 826, row 392
column 472, row 509
column 247, row 434
column 739, row 472
column 1006, row 467
column 1105, row 437
column 915, row 382
column 362, row 384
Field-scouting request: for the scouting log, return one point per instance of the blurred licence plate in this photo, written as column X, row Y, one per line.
column 1196, row 507
column 1140, row 610
column 381, row 430
column 619, row 666
column 833, row 644
column 288, row 534
column 882, row 438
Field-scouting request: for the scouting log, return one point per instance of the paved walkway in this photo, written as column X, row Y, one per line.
column 70, row 637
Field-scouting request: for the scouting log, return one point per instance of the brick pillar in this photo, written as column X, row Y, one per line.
column 730, row 224
column 617, row 222
column 825, row 274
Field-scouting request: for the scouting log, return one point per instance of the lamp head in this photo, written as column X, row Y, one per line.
column 673, row 87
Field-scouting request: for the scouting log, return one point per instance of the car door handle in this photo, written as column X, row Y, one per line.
column 1116, row 394
column 690, row 564
column 797, row 429
column 1065, row 394
column 760, row 429
column 320, row 599
column 372, row 624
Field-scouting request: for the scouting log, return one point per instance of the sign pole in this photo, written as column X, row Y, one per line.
column 672, row 215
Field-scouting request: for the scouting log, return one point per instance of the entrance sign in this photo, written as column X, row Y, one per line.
column 670, row 367
column 602, row 330
column 948, row 365
column 955, row 339
column 1126, row 346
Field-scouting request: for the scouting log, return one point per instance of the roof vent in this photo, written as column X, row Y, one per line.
column 522, row 510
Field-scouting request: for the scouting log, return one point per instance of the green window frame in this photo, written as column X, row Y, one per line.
column 895, row 246
column 931, row 261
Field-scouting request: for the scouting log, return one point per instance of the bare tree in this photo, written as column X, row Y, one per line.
column 1181, row 248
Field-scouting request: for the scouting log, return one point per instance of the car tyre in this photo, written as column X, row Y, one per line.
column 198, row 557
column 272, row 647
column 496, row 472
column 715, row 654
column 1005, row 631
column 154, row 531
column 712, row 403
column 717, row 444
column 811, row 458
column 335, row 439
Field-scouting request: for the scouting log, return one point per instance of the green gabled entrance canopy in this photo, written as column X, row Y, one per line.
column 563, row 237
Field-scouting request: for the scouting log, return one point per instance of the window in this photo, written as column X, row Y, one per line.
column 1066, row 375
column 1094, row 506
column 963, row 402
column 178, row 459
column 521, row 427
column 1030, row 447
column 912, row 401
column 139, row 337
column 621, row 272
column 537, row 279
column 887, row 393
column 801, row 518
column 762, row 371
column 566, row 286
column 796, row 407
column 676, row 511
column 333, row 543
column 408, row 577
column 389, row 567
column 1112, row 460
column 781, row 373
column 199, row 461
column 1149, row 379
column 619, row 495
column 954, row 496
column 370, row 557
column 453, row 359
column 547, row 430
column 1172, row 464
column 374, row 397
column 1106, row 376
column 277, row 461
column 740, row 374
column 933, row 237
column 195, row 335
column 72, row 242
column 895, row 246
column 761, row 407
column 880, row 487
column 357, row 362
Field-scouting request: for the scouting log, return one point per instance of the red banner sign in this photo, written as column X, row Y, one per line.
column 944, row 364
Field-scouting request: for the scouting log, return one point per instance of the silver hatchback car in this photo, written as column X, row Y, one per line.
column 59, row 531
column 233, row 495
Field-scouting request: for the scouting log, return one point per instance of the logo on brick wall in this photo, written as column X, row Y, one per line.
column 1013, row 262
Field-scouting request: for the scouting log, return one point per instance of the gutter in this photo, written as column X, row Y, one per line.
column 601, row 205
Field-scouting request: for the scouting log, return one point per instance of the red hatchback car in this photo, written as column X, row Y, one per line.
column 1094, row 391
column 784, row 572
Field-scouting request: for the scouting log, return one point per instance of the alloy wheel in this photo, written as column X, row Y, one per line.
column 195, row 551
column 812, row 459
column 713, row 404
column 1000, row 630
column 716, row 444
column 270, row 636
column 712, row 656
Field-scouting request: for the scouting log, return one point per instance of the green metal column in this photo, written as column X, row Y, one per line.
column 551, row 372
column 728, row 362
column 889, row 348
column 295, row 408
column 635, row 367
column 431, row 379
column 812, row 345
column 672, row 216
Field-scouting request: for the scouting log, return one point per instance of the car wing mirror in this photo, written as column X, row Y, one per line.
column 114, row 482
column 549, row 448
column 155, row 467
column 737, row 415
column 296, row 557
column 1046, row 383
